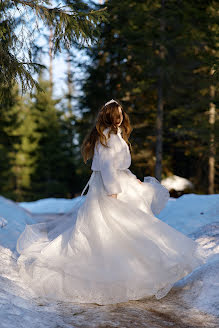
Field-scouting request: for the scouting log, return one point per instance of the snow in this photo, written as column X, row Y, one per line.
column 192, row 302
column 177, row 183
column 50, row 205
column 202, row 288
column 190, row 212
column 13, row 219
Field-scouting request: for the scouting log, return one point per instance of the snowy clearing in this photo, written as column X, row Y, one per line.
column 192, row 302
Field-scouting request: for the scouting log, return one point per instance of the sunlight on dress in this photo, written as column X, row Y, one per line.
column 108, row 250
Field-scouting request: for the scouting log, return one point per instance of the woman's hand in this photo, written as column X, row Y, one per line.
column 139, row 181
column 113, row 195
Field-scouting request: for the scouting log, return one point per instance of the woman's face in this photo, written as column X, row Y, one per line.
column 119, row 122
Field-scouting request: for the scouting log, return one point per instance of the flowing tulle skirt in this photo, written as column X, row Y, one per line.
column 108, row 250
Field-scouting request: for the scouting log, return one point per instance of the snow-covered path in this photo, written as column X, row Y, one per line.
column 192, row 302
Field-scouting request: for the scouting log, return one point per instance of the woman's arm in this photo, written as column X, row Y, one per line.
column 130, row 173
column 133, row 176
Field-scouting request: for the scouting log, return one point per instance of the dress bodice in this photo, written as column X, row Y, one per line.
column 108, row 160
column 118, row 155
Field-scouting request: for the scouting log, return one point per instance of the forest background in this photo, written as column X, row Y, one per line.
column 159, row 58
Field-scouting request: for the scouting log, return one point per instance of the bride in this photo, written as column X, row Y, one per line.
column 110, row 247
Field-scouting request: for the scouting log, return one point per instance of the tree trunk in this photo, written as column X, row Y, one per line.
column 160, row 102
column 69, row 82
column 50, row 60
column 159, row 131
column 211, row 160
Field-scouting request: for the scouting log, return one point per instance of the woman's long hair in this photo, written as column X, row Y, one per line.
column 108, row 116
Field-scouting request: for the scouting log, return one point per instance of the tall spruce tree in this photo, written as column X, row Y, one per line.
column 24, row 154
column 50, row 177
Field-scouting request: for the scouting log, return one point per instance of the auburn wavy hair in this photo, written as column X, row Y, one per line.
column 108, row 116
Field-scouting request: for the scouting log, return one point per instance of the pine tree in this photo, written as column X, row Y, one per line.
column 8, row 122
column 70, row 24
column 24, row 154
column 47, row 179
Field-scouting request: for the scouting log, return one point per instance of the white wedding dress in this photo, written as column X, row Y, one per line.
column 108, row 250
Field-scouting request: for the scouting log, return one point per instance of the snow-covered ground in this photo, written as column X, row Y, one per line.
column 192, row 302
column 13, row 219
column 50, row 205
column 190, row 212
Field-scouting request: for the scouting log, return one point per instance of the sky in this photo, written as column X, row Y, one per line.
column 60, row 68
column 59, row 60
column 60, row 65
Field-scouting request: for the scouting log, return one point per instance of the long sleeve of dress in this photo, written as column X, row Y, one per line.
column 107, row 160
column 130, row 173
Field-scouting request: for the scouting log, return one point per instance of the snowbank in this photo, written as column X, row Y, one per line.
column 177, row 183
column 190, row 212
column 50, row 205
column 13, row 219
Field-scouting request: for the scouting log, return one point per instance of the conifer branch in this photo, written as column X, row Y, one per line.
column 70, row 25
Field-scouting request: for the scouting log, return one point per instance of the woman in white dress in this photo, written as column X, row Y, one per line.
column 110, row 247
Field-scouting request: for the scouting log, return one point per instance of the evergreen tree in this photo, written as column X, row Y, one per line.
column 24, row 155
column 8, row 122
column 154, row 57
column 70, row 24
column 49, row 176
column 37, row 143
